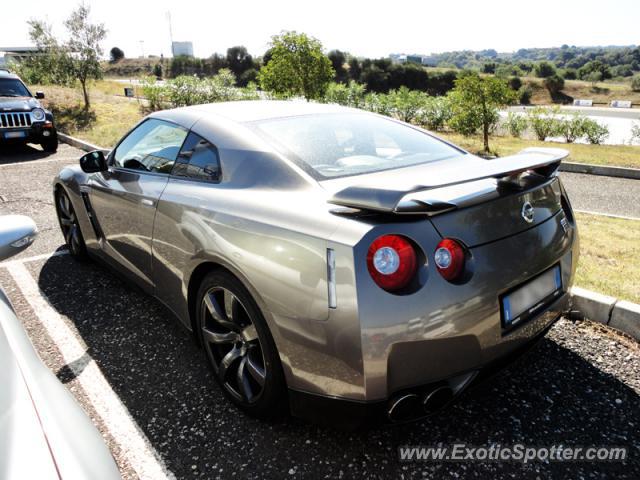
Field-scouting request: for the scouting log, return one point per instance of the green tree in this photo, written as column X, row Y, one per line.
column 115, row 55
column 475, row 102
column 338, row 60
column 544, row 69
column 83, row 48
column 239, row 60
column 554, row 83
column 297, row 66
column 635, row 83
column 76, row 59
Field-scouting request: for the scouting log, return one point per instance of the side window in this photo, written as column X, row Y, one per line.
column 152, row 147
column 198, row 159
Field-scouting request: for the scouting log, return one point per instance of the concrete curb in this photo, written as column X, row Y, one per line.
column 620, row 172
column 81, row 144
column 619, row 314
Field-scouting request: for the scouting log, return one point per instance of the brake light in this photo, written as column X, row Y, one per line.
column 392, row 262
column 449, row 258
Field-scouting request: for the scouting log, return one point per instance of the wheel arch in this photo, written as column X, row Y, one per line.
column 196, row 277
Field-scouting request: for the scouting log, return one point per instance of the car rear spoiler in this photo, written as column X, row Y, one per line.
column 462, row 188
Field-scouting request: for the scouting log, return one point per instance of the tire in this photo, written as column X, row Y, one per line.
column 50, row 145
column 239, row 347
column 69, row 226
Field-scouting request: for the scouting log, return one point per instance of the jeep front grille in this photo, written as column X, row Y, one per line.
column 15, row 119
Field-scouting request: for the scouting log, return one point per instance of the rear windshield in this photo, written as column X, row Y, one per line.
column 10, row 87
column 337, row 145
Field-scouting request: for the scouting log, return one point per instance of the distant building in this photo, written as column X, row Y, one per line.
column 182, row 48
column 414, row 59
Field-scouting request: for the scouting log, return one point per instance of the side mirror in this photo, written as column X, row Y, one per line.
column 93, row 162
column 39, row 95
column 17, row 232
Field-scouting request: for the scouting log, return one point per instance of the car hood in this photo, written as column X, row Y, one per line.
column 18, row 104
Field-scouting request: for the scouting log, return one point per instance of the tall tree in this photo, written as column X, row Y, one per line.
column 239, row 60
column 475, row 102
column 338, row 60
column 115, row 55
column 297, row 66
column 84, row 48
column 77, row 58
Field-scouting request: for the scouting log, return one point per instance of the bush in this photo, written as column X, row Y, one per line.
column 378, row 103
column 595, row 133
column 635, row 132
column 544, row 122
column 570, row 74
column 435, row 113
column 157, row 70
column 515, row 83
column 189, row 90
column 524, row 95
column 406, row 103
column 516, row 124
column 350, row 95
column 554, row 83
column 572, row 128
column 635, row 83
column 544, row 69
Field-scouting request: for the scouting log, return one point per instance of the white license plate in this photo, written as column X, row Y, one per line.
column 531, row 298
column 17, row 134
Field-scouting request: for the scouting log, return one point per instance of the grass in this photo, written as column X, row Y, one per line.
column 109, row 118
column 609, row 256
column 619, row 155
column 600, row 93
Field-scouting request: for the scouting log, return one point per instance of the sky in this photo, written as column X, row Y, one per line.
column 370, row 28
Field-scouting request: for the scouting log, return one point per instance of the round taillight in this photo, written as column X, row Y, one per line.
column 449, row 259
column 392, row 262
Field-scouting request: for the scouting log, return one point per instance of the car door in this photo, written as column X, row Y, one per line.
column 124, row 198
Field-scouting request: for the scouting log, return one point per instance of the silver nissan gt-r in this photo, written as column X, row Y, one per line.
column 333, row 262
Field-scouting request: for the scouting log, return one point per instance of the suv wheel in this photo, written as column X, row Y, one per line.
column 50, row 145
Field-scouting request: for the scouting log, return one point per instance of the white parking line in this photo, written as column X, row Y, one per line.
column 134, row 444
column 42, row 160
column 57, row 253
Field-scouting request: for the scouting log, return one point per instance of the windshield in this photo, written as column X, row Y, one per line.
column 10, row 87
column 336, row 145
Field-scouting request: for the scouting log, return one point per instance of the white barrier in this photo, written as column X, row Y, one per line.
column 621, row 103
column 582, row 103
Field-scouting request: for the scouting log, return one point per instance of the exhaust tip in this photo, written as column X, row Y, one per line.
column 437, row 398
column 404, row 407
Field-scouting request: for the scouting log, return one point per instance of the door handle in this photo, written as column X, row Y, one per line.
column 147, row 203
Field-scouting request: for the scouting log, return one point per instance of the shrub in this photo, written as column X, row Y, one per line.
column 572, row 128
column 157, row 70
column 595, row 133
column 635, row 132
column 570, row 74
column 435, row 113
column 515, row 83
column 554, row 83
column 516, row 124
column 406, row 103
column 350, row 95
column 635, row 82
column 524, row 94
column 544, row 69
column 378, row 103
column 544, row 122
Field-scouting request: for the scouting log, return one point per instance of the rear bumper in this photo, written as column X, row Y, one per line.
column 352, row 414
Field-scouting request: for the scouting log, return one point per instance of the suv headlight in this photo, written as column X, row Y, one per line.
column 37, row 114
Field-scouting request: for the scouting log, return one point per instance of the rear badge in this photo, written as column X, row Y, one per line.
column 527, row 212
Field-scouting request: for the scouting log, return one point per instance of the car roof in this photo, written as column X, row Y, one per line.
column 255, row 110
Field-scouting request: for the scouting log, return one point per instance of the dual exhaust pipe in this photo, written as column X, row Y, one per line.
column 410, row 406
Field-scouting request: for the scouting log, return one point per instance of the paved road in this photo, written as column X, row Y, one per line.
column 614, row 196
column 580, row 386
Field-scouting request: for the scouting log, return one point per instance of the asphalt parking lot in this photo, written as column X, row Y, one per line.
column 146, row 385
